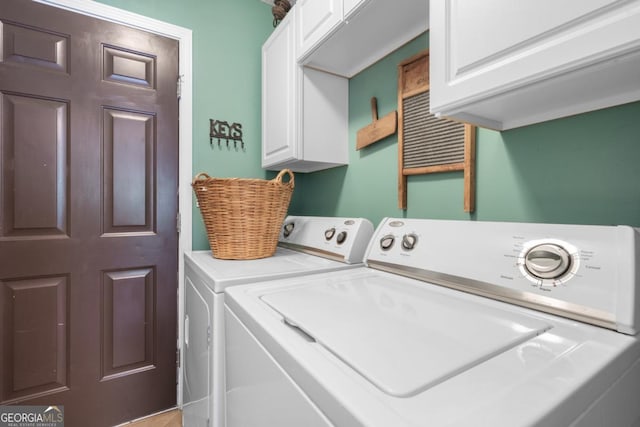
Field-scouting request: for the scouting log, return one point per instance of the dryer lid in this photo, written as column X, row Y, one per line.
column 402, row 337
column 219, row 274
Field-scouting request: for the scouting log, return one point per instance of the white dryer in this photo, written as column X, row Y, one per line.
column 306, row 245
column 451, row 323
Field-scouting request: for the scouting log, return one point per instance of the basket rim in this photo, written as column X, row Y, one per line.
column 203, row 177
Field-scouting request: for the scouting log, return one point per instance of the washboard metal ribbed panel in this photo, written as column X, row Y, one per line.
column 428, row 144
column 428, row 140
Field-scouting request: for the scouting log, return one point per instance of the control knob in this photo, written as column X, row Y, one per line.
column 409, row 241
column 341, row 237
column 547, row 261
column 287, row 229
column 387, row 242
column 328, row 234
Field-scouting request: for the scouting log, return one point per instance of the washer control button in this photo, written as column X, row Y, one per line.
column 328, row 234
column 288, row 228
column 409, row 241
column 387, row 242
column 547, row 261
column 341, row 237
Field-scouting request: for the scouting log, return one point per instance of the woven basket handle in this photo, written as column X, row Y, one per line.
column 200, row 177
column 278, row 178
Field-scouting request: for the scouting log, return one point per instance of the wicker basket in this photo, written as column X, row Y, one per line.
column 243, row 216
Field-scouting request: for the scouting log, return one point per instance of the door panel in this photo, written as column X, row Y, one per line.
column 35, row 47
column 128, row 326
column 134, row 68
column 88, row 192
column 34, row 170
column 129, row 171
column 38, row 362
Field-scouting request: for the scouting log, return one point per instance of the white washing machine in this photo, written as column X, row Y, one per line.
column 306, row 245
column 451, row 323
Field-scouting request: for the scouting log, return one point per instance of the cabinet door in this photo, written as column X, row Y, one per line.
column 483, row 49
column 279, row 83
column 351, row 6
column 317, row 19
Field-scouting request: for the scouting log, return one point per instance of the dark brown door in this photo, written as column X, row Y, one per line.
column 88, row 193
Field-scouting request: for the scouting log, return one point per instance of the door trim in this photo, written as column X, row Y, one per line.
column 184, row 38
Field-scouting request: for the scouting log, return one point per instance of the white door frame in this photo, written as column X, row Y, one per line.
column 184, row 37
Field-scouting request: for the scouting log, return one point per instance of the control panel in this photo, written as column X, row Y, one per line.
column 341, row 238
column 549, row 262
column 587, row 269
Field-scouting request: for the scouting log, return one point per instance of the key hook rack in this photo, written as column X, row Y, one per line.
column 220, row 129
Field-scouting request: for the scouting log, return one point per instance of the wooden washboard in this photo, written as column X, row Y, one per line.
column 427, row 144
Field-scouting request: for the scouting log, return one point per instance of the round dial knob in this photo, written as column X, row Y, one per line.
column 409, row 241
column 328, row 234
column 288, row 228
column 341, row 237
column 547, row 261
column 386, row 242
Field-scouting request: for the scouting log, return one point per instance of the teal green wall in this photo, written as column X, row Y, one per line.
column 582, row 169
column 227, row 41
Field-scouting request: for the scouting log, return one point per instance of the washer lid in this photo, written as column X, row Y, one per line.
column 401, row 337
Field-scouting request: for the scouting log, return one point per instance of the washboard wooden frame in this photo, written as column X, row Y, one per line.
column 427, row 144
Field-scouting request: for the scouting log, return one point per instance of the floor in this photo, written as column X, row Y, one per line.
column 172, row 418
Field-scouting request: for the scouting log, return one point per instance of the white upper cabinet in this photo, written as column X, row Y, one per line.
column 349, row 7
column 279, row 95
column 306, row 64
column 503, row 63
column 305, row 112
column 315, row 19
column 367, row 31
